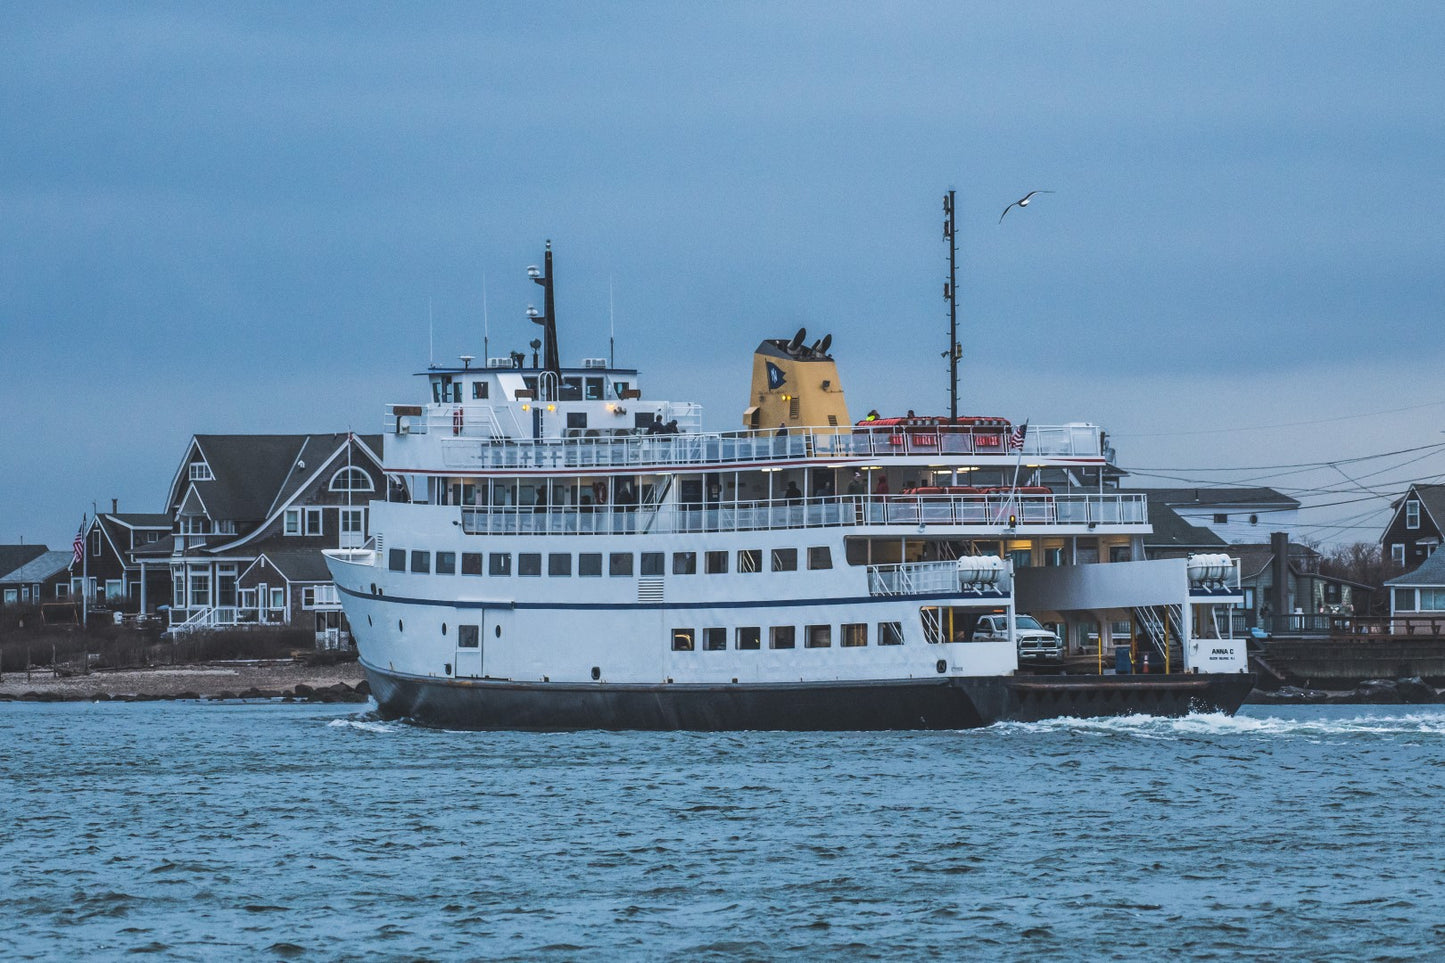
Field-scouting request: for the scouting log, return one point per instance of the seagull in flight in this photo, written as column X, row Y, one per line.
column 1021, row 202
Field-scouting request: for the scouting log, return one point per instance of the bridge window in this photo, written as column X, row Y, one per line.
column 421, row 562
column 396, row 560
column 446, row 563
column 820, row 557
column 782, row 637
column 619, row 565
column 499, row 563
column 471, row 563
column 652, row 563
column 749, row 637
column 559, row 565
column 479, row 390
column 529, row 564
column 818, row 637
column 589, row 564
column 684, row 563
column 717, row 563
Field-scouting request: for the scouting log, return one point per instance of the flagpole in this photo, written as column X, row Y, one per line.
column 84, row 575
column 1013, row 494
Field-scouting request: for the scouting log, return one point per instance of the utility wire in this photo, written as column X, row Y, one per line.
column 1286, row 424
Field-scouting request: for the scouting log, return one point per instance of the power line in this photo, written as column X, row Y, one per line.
column 1286, row 424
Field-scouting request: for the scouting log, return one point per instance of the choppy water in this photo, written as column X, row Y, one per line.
column 202, row 832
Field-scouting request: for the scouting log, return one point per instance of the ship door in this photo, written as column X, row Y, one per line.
column 469, row 651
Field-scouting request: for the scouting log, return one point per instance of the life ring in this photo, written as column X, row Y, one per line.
column 456, row 421
column 599, row 493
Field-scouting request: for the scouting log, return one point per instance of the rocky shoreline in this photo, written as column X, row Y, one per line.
column 1371, row 692
column 212, row 681
column 295, row 681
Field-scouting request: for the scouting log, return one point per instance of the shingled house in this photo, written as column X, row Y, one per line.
column 117, row 549
column 1415, row 528
column 251, row 515
column 30, row 575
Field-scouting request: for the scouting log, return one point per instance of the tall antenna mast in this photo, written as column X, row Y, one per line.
column 611, row 328
column 486, row 326
column 431, row 354
column 950, row 294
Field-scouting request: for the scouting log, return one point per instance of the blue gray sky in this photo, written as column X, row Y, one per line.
column 236, row 218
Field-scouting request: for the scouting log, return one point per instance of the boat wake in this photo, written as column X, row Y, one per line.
column 1390, row 722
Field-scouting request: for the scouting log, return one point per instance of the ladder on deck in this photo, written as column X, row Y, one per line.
column 1157, row 627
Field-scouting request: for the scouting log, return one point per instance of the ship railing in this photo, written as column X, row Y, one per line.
column 934, row 578
column 472, row 437
column 994, row 512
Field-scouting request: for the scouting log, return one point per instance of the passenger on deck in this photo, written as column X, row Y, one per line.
column 793, row 494
column 857, row 486
column 882, row 488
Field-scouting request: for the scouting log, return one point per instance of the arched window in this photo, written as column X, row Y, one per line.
column 351, row 479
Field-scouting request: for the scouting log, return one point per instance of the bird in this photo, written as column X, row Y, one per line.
column 1021, row 202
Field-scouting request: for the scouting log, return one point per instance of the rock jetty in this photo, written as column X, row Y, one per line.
column 207, row 682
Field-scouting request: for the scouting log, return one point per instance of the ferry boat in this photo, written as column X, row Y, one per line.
column 561, row 550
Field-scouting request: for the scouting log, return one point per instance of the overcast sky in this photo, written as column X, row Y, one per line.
column 238, row 219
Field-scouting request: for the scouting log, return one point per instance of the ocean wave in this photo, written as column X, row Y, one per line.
column 365, row 722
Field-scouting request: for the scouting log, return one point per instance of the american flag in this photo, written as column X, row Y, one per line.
column 1016, row 438
column 77, row 547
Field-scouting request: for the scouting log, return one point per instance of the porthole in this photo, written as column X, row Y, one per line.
column 498, row 630
column 444, row 628
column 399, row 626
column 596, row 673
column 369, row 622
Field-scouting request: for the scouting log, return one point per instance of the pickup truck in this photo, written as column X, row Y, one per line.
column 1034, row 641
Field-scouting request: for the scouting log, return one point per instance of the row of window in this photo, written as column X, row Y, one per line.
column 312, row 521
column 750, row 637
column 589, row 564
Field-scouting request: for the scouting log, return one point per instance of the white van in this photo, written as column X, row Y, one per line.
column 1035, row 642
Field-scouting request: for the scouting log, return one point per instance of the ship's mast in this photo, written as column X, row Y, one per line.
column 551, row 356
column 950, row 292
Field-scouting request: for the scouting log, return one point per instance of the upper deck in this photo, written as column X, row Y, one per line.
column 484, row 439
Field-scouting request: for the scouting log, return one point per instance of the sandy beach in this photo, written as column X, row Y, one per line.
column 213, row 680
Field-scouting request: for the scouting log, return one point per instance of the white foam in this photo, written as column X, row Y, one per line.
column 364, row 724
column 1391, row 721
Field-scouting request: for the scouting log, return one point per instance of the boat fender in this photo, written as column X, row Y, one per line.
column 942, row 666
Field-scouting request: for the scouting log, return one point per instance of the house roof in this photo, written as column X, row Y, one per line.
column 1263, row 498
column 39, row 569
column 1171, row 529
column 252, row 474
column 298, row 564
column 14, row 556
column 1430, row 572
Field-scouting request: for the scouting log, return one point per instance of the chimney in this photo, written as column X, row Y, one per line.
column 1279, row 592
column 114, row 505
